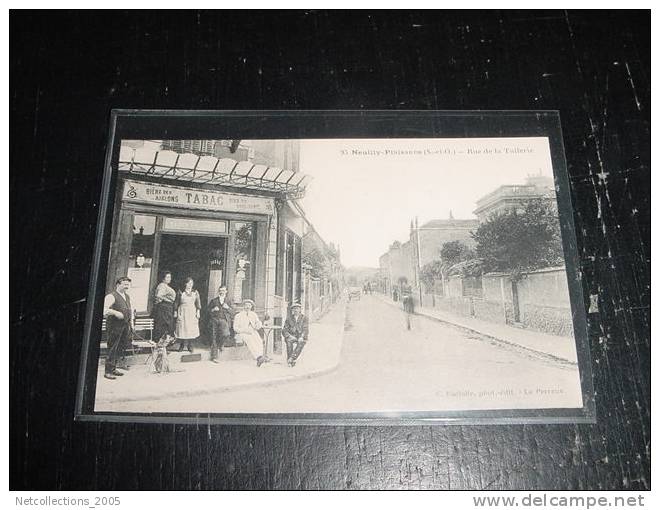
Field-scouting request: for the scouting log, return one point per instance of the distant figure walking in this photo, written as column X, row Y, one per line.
column 408, row 305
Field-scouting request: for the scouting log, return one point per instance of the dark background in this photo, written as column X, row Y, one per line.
column 68, row 70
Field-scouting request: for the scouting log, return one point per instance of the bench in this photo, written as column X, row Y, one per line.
column 144, row 325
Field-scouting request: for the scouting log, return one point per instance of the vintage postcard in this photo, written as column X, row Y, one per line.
column 341, row 277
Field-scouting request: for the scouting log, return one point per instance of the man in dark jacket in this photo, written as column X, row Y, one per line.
column 221, row 316
column 296, row 333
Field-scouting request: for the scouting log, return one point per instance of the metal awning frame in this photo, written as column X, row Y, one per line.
column 292, row 188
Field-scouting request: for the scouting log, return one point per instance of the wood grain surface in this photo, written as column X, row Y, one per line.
column 68, row 70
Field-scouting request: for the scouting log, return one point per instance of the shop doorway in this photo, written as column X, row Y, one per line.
column 203, row 258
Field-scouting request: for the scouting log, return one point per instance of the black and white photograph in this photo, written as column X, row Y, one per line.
column 285, row 251
column 339, row 276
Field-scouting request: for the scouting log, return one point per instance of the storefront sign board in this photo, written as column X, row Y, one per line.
column 189, row 198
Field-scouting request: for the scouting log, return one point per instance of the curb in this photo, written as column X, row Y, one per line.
column 507, row 343
column 210, row 391
column 240, row 386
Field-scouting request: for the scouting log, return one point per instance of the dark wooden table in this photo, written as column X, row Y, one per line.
column 68, row 70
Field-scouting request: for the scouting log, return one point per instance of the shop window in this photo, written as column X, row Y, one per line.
column 244, row 244
column 140, row 260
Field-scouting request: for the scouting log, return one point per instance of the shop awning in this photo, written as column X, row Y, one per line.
column 187, row 167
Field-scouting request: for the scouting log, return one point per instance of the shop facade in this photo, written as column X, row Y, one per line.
column 249, row 240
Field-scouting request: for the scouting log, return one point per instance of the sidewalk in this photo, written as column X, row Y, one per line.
column 321, row 355
column 558, row 347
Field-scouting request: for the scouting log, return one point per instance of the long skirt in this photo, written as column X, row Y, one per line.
column 163, row 320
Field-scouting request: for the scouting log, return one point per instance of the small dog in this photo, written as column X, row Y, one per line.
column 161, row 362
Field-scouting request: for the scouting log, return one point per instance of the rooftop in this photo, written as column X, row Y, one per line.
column 451, row 223
column 518, row 192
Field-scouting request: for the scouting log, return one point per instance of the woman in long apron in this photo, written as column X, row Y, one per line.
column 187, row 318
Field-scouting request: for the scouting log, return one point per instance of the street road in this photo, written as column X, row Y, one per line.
column 385, row 367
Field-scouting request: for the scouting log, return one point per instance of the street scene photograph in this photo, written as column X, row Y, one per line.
column 335, row 276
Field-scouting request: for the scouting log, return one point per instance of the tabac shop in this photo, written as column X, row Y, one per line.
column 247, row 241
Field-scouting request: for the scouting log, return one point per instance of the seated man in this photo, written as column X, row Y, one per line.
column 246, row 327
column 296, row 333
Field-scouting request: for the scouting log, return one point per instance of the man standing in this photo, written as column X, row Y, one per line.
column 296, row 333
column 408, row 304
column 118, row 313
column 221, row 315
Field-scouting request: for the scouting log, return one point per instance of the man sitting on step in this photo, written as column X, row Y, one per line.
column 295, row 332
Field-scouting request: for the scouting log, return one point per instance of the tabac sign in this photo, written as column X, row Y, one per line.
column 160, row 194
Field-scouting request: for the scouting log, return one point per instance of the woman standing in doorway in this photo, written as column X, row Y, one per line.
column 163, row 312
column 187, row 319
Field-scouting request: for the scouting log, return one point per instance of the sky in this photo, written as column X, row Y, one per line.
column 364, row 192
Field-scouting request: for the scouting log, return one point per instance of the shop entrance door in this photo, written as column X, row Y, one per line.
column 203, row 258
